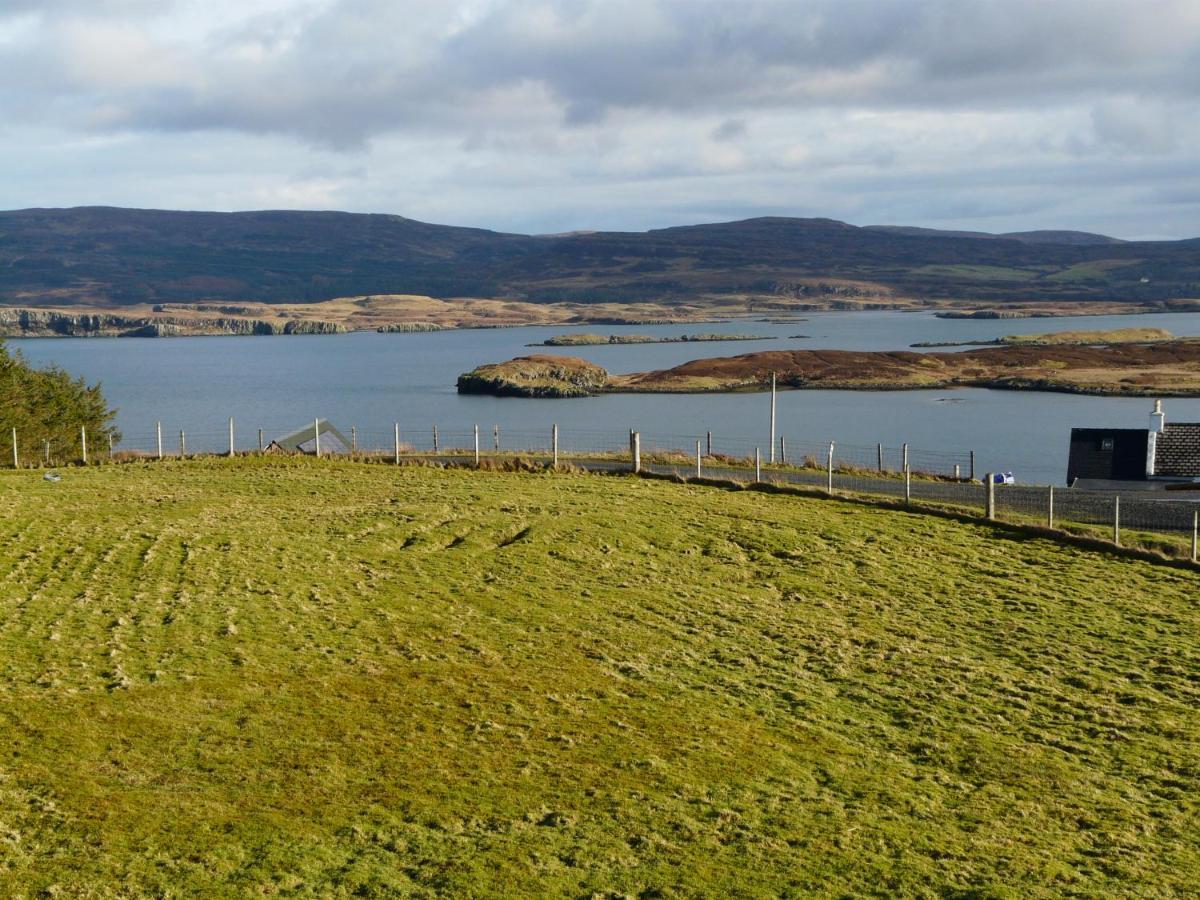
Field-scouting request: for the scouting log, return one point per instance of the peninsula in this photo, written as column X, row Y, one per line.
column 1163, row 369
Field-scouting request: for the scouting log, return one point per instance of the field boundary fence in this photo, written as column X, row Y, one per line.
column 1166, row 521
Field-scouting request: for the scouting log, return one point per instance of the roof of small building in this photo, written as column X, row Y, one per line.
column 1177, row 450
column 298, row 440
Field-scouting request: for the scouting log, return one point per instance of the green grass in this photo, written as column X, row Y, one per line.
column 978, row 273
column 277, row 676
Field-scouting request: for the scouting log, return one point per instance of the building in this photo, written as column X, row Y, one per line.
column 304, row 440
column 1164, row 453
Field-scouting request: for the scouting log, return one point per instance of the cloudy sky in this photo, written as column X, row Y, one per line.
column 553, row 115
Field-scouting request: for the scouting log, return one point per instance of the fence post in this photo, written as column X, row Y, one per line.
column 635, row 450
column 231, row 435
column 757, row 466
column 879, row 454
column 990, row 505
column 907, row 486
column 317, row 436
column 708, row 447
column 260, row 443
column 182, row 445
column 435, row 439
column 47, row 443
column 396, row 442
column 1117, row 519
column 772, row 444
column 554, row 443
column 83, row 442
column 1195, row 532
column 16, row 459
column 496, row 437
column 783, row 449
column 158, row 432
column 904, row 456
column 697, row 457
column 972, row 474
column 110, row 448
column 957, row 472
column 829, row 469
column 353, row 440
column 1050, row 508
column 477, row 446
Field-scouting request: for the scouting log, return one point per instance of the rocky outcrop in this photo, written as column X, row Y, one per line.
column 408, row 327
column 15, row 322
column 535, row 376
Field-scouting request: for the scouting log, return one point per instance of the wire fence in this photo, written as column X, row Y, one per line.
column 1162, row 520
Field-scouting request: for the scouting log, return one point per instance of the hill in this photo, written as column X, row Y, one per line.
column 120, row 257
column 272, row 676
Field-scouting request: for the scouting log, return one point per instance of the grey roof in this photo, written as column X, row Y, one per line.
column 1177, row 450
column 332, row 440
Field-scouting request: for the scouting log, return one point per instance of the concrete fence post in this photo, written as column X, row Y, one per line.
column 182, row 445
column 1050, row 507
column 83, row 442
column 907, row 486
column 829, row 470
column 476, row 445
column 635, row 450
column 957, row 472
column 554, row 444
column 990, row 503
column 396, row 443
column 904, row 456
column 158, row 433
column 757, row 466
column 1117, row 519
column 697, row 457
column 260, row 443
column 879, row 456
column 317, row 436
column 16, row 458
column 231, row 435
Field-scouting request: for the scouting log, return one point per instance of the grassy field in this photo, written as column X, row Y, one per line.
column 274, row 676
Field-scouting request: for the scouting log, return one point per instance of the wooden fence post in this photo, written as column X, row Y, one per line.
column 1195, row 532
column 1117, row 519
column 904, row 456
column 1050, row 508
column 435, row 439
column 907, row 486
column 783, row 450
column 957, row 472
column 990, row 504
column 476, row 445
column 396, row 442
column 635, row 450
column 182, row 445
column 772, row 443
column 697, row 457
column 554, row 443
column 317, row 437
column 829, row 469
column 110, row 447
column 16, row 458
column 231, row 435
column 260, row 443
column 709, row 445
column 353, row 440
column 47, row 443
column 158, row 432
column 496, row 438
column 879, row 454
column 83, row 442
column 972, row 473
column 757, row 466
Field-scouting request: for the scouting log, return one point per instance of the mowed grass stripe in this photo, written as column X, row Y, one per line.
column 322, row 677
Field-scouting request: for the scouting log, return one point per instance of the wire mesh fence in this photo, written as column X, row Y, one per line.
column 1162, row 520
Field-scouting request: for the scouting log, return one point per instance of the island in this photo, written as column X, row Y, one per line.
column 1114, row 336
column 1161, row 369
column 589, row 340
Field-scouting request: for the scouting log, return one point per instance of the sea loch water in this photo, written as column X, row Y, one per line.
column 372, row 380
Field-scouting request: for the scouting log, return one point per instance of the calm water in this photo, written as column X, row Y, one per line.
column 372, row 380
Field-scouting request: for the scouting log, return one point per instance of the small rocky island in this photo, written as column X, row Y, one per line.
column 590, row 340
column 1156, row 369
column 1115, row 336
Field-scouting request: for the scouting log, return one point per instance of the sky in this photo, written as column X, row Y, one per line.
column 545, row 116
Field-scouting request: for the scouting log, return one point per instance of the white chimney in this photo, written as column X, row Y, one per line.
column 1157, row 418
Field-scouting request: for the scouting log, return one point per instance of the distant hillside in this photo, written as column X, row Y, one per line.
column 101, row 255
